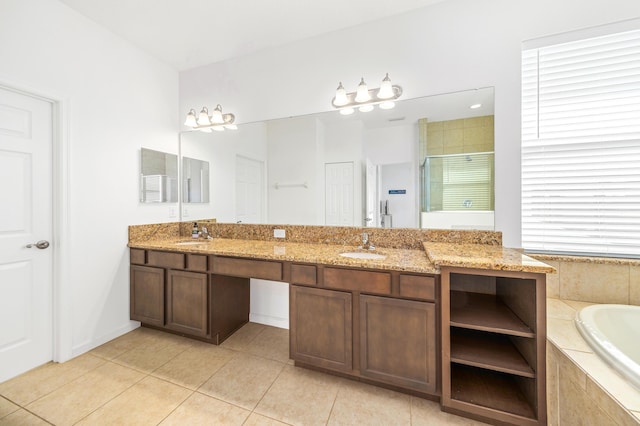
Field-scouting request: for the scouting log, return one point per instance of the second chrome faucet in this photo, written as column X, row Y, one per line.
column 366, row 243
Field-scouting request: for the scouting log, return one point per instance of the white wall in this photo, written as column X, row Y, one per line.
column 450, row 46
column 119, row 100
column 295, row 150
column 390, row 145
column 220, row 149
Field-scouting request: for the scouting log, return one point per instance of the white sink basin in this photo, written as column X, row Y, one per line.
column 363, row 255
column 190, row 243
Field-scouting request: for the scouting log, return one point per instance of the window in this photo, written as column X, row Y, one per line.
column 581, row 146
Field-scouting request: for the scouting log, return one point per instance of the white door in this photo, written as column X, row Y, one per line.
column 338, row 194
column 249, row 190
column 371, row 195
column 26, row 334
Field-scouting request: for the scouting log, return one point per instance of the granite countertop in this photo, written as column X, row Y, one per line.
column 429, row 260
column 481, row 256
column 396, row 259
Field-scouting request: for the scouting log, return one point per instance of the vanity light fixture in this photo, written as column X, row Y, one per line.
column 364, row 98
column 205, row 122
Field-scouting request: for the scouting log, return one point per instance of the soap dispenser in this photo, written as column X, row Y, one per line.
column 194, row 231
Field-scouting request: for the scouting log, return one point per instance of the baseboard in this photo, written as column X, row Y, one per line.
column 92, row 344
column 270, row 320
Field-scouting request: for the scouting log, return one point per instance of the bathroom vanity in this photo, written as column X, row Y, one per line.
column 449, row 327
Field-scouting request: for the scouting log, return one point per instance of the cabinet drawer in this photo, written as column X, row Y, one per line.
column 418, row 287
column 197, row 262
column 137, row 256
column 247, row 268
column 364, row 281
column 165, row 259
column 304, row 274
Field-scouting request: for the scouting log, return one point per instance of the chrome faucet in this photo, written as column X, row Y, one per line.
column 204, row 233
column 366, row 243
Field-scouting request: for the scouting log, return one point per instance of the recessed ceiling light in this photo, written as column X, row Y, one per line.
column 475, row 106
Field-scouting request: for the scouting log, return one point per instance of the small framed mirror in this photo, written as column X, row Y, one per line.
column 158, row 177
column 195, row 180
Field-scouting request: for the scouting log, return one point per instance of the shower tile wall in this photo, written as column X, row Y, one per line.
column 465, row 135
column 461, row 136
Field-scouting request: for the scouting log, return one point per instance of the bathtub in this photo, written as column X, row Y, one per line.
column 613, row 331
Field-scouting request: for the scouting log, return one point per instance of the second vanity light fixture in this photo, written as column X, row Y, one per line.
column 365, row 99
column 206, row 123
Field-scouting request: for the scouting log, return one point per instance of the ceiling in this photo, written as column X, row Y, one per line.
column 189, row 33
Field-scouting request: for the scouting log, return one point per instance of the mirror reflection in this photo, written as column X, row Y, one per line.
column 427, row 163
column 195, row 180
column 158, row 177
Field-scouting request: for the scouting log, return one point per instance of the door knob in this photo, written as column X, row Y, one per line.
column 42, row 244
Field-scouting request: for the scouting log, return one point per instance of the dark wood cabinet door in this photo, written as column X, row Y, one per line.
column 187, row 302
column 398, row 342
column 321, row 327
column 147, row 295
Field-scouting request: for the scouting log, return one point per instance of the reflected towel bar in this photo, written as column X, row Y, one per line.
column 278, row 185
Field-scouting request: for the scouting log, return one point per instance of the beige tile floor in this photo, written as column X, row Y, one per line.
column 147, row 377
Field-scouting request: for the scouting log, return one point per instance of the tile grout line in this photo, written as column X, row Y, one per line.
column 177, row 406
column 20, row 407
column 115, row 396
column 267, row 391
column 53, row 390
column 333, row 404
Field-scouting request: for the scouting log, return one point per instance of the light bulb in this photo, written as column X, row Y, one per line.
column 347, row 111
column 387, row 105
column 362, row 94
column 216, row 115
column 341, row 96
column 191, row 119
column 386, row 89
column 475, row 106
column 203, row 117
column 366, row 108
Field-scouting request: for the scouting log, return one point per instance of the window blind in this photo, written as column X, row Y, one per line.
column 467, row 182
column 581, row 146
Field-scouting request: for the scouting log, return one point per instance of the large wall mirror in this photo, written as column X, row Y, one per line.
column 426, row 163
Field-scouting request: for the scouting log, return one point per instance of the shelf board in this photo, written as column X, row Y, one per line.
column 489, row 389
column 485, row 312
column 487, row 350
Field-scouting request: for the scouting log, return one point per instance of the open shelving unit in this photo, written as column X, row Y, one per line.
column 493, row 345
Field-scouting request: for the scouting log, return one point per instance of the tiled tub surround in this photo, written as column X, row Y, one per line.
column 593, row 279
column 580, row 384
column 581, row 387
